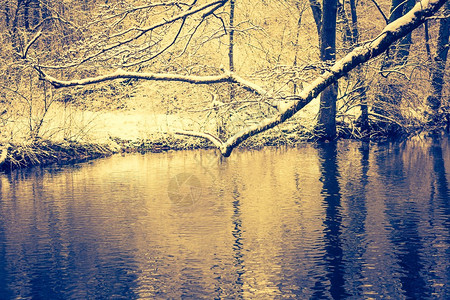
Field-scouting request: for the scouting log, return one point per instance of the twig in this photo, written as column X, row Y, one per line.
column 381, row 12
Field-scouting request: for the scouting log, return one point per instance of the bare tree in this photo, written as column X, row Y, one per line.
column 353, row 38
column 326, row 124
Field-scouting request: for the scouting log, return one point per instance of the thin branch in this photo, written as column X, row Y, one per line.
column 381, row 11
column 160, row 52
column 386, row 118
column 427, row 40
column 62, row 20
column 190, row 38
column 133, row 9
column 152, row 5
column 222, row 21
column 438, row 17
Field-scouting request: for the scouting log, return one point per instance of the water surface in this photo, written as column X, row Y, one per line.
column 333, row 221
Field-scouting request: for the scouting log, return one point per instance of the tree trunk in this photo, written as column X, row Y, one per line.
column 326, row 125
column 347, row 38
column 31, row 13
column 297, row 37
column 317, row 14
column 26, row 14
column 363, row 121
column 355, row 31
column 440, row 60
column 389, row 98
column 400, row 50
column 231, row 48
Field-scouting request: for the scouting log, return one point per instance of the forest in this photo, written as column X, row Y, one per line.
column 81, row 79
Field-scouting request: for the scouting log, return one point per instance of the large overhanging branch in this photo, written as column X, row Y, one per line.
column 226, row 76
column 391, row 33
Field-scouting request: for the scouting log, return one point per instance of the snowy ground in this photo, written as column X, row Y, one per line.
column 138, row 120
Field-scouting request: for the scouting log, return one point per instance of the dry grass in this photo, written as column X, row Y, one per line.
column 47, row 152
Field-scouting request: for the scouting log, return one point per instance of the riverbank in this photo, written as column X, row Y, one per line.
column 75, row 131
column 46, row 152
column 86, row 126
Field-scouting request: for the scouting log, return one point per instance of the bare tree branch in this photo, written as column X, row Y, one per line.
column 142, row 7
column 191, row 35
column 215, row 140
column 381, row 11
column 161, row 51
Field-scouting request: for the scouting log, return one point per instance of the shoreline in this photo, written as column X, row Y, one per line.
column 44, row 152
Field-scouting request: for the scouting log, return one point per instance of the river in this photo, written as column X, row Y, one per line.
column 332, row 221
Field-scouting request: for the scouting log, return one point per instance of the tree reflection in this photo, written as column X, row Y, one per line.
column 49, row 249
column 439, row 183
column 332, row 223
column 404, row 216
column 354, row 191
column 237, row 241
column 439, row 206
column 5, row 292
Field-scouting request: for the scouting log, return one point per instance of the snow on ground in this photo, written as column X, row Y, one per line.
column 139, row 120
column 133, row 125
column 100, row 126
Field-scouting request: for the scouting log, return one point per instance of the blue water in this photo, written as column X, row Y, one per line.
column 332, row 221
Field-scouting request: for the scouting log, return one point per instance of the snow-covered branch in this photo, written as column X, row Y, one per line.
column 226, row 76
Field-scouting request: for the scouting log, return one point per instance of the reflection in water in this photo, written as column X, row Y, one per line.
column 356, row 180
column 439, row 183
column 237, row 245
column 440, row 217
column 403, row 214
column 46, row 248
column 332, row 221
